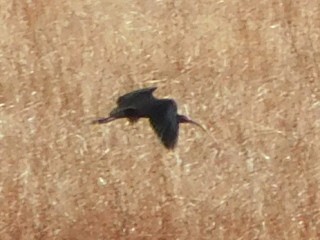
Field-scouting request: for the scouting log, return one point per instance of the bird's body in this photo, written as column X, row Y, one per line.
column 162, row 114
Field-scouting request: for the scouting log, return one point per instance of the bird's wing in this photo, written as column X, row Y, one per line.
column 165, row 123
column 141, row 95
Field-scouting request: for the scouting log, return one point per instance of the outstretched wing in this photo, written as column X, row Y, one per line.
column 165, row 123
column 142, row 95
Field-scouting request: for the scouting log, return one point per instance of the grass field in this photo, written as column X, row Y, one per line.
column 247, row 70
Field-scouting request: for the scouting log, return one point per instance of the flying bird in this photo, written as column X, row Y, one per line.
column 162, row 114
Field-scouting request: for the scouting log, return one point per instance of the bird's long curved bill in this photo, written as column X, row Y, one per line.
column 103, row 120
column 197, row 124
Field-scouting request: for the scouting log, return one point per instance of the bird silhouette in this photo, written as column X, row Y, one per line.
column 162, row 114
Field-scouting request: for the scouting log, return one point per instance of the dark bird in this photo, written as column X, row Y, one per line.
column 162, row 114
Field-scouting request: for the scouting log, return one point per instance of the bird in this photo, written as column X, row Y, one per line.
column 162, row 114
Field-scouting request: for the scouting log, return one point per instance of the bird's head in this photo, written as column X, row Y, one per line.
column 185, row 119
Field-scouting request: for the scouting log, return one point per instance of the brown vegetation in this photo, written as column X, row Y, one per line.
column 247, row 70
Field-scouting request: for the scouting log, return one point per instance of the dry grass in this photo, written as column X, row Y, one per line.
column 247, row 70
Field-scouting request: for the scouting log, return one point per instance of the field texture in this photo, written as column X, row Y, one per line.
column 247, row 70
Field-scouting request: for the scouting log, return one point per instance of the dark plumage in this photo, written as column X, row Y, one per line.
column 162, row 114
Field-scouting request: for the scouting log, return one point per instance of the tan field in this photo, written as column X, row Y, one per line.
column 249, row 71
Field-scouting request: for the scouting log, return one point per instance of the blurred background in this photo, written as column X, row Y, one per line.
column 248, row 71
